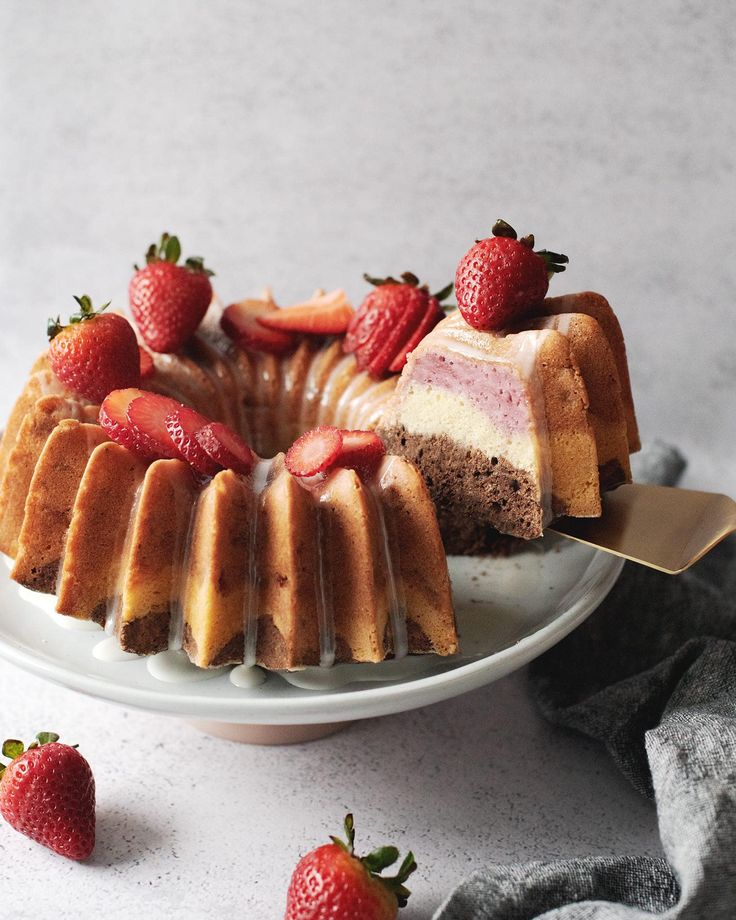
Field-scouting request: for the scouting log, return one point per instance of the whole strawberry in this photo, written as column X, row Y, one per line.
column 501, row 279
column 48, row 794
column 332, row 882
column 169, row 301
column 391, row 322
column 94, row 353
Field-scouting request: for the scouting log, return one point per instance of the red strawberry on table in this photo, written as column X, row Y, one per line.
column 332, row 882
column 95, row 352
column 502, row 278
column 48, row 794
column 391, row 321
column 169, row 301
column 324, row 314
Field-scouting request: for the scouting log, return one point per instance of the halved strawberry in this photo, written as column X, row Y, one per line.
column 113, row 418
column 240, row 322
column 147, row 367
column 430, row 319
column 147, row 417
column 362, row 451
column 314, row 452
column 183, row 424
column 324, row 314
column 225, row 448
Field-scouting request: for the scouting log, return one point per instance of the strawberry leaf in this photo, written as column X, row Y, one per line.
column 380, row 859
column 501, row 228
column 555, row 261
column 13, row 748
column 445, row 292
column 47, row 737
column 172, row 249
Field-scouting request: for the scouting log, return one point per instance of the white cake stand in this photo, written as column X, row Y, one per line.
column 509, row 611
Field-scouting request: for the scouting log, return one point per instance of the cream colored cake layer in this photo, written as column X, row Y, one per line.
column 435, row 412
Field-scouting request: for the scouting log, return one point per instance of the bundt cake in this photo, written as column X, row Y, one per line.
column 257, row 568
column 514, row 428
column 154, row 516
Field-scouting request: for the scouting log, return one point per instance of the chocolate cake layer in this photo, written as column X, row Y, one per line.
column 464, row 481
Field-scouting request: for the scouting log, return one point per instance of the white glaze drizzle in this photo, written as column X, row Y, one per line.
column 247, row 677
column 396, row 597
column 260, row 477
column 173, row 667
column 323, row 587
column 108, row 649
column 177, row 603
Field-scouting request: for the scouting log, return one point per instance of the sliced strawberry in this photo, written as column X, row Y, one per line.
column 183, row 424
column 225, row 448
column 147, row 366
column 430, row 319
column 326, row 314
column 241, row 323
column 114, row 421
column 147, row 417
column 314, row 452
column 362, row 451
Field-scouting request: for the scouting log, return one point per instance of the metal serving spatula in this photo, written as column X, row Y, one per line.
column 665, row 528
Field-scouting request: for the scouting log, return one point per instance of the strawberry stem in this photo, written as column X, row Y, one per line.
column 502, row 228
column 169, row 250
column 380, row 859
column 86, row 311
column 13, row 749
column 555, row 261
column 445, row 292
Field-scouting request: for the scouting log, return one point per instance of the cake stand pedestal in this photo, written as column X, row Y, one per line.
column 268, row 734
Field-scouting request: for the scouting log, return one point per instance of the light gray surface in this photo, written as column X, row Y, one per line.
column 299, row 145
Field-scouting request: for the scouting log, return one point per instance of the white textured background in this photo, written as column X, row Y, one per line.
column 300, row 144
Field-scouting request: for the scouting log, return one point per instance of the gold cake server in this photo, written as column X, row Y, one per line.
column 665, row 528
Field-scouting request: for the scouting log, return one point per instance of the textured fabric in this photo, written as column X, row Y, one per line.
column 652, row 675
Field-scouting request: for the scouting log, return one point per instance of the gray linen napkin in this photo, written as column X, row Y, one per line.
column 652, row 675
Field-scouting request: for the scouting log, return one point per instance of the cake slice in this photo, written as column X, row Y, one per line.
column 498, row 425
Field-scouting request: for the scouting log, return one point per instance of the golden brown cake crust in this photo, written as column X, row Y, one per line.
column 598, row 307
column 50, row 503
column 94, row 546
column 38, row 423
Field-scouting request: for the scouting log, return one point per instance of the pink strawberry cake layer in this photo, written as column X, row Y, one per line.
column 480, row 418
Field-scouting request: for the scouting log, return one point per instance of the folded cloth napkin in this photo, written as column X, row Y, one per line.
column 652, row 675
